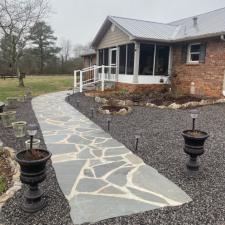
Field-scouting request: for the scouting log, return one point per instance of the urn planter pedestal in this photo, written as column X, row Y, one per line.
column 33, row 172
column 194, row 147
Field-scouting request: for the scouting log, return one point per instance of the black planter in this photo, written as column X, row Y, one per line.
column 194, row 147
column 33, row 172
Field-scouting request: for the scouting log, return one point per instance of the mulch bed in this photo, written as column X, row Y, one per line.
column 157, row 98
column 161, row 146
column 57, row 210
column 5, row 171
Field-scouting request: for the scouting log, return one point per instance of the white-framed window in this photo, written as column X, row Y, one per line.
column 194, row 51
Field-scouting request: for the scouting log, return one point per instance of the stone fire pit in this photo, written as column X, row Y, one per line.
column 114, row 110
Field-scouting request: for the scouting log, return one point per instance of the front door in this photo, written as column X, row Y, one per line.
column 112, row 60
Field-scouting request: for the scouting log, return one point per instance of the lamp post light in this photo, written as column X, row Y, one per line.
column 78, row 103
column 137, row 137
column 92, row 112
column 194, row 116
column 32, row 131
column 68, row 94
column 109, row 122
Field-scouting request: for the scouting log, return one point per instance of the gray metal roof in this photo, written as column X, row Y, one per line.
column 208, row 25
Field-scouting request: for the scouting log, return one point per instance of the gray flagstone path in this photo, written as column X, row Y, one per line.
column 99, row 176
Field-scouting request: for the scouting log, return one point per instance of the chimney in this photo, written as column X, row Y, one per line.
column 195, row 21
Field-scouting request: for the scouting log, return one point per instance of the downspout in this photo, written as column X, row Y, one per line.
column 222, row 37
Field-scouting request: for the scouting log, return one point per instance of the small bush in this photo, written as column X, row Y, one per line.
column 123, row 91
column 2, row 185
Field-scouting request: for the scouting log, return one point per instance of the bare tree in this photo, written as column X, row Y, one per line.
column 16, row 18
column 65, row 52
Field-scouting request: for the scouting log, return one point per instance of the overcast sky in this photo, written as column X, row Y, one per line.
column 79, row 20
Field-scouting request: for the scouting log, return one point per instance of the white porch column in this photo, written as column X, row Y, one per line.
column 136, row 62
column 117, row 63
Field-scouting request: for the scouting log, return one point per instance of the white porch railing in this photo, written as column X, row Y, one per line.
column 94, row 74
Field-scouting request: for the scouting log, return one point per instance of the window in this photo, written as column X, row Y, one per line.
column 122, row 66
column 100, row 57
column 106, row 57
column 194, row 51
column 146, row 62
column 162, row 60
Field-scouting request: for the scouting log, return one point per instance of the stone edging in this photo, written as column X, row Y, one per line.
column 188, row 104
column 16, row 184
column 171, row 106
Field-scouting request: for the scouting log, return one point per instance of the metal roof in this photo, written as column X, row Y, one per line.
column 208, row 25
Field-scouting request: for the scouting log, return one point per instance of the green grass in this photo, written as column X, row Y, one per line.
column 38, row 85
column 2, row 185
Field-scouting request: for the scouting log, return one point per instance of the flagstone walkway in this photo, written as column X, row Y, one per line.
column 99, row 176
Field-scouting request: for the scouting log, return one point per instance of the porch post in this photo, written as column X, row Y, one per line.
column 117, row 63
column 136, row 62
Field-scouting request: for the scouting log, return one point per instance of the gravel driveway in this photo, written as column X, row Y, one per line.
column 161, row 146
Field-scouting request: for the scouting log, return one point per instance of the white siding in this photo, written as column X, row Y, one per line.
column 113, row 37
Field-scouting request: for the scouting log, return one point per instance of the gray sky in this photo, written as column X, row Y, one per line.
column 79, row 20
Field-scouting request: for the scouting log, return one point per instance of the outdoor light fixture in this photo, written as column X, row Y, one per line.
column 194, row 116
column 68, row 94
column 78, row 103
column 137, row 137
column 32, row 131
column 108, row 123
column 92, row 112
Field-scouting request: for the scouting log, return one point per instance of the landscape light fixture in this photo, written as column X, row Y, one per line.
column 137, row 137
column 108, row 123
column 92, row 112
column 194, row 116
column 32, row 131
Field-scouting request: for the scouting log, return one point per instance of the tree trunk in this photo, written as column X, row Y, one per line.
column 20, row 77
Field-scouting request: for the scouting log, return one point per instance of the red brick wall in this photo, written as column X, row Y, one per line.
column 140, row 88
column 208, row 76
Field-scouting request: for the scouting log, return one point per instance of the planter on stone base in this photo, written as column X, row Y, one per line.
column 19, row 128
column 12, row 102
column 33, row 171
column 8, row 118
column 194, row 147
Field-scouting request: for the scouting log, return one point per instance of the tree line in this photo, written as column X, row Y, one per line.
column 28, row 44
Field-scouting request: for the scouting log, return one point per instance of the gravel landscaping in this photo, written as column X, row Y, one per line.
column 57, row 210
column 161, row 146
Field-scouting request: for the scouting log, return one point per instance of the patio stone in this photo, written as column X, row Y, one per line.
column 56, row 149
column 119, row 177
column 112, row 190
column 108, row 207
column 103, row 169
column 67, row 173
column 116, row 151
column 78, row 140
column 90, row 185
column 85, row 154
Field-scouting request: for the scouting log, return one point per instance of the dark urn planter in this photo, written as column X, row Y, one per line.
column 194, row 147
column 33, row 172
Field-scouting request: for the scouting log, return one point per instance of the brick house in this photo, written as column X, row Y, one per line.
column 188, row 54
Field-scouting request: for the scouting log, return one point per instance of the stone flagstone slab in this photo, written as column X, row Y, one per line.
column 98, row 175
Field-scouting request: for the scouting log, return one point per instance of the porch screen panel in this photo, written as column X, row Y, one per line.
column 122, row 64
column 130, row 59
column 106, row 56
column 146, row 62
column 100, row 57
column 162, row 60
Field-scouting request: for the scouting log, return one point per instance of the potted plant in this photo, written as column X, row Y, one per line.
column 8, row 118
column 12, row 102
column 19, row 128
column 194, row 143
column 33, row 171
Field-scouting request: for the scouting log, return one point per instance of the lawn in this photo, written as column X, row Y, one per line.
column 38, row 85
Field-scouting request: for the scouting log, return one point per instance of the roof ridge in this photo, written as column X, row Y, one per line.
column 149, row 21
column 171, row 23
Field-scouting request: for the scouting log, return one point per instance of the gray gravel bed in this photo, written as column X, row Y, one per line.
column 161, row 146
column 57, row 210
